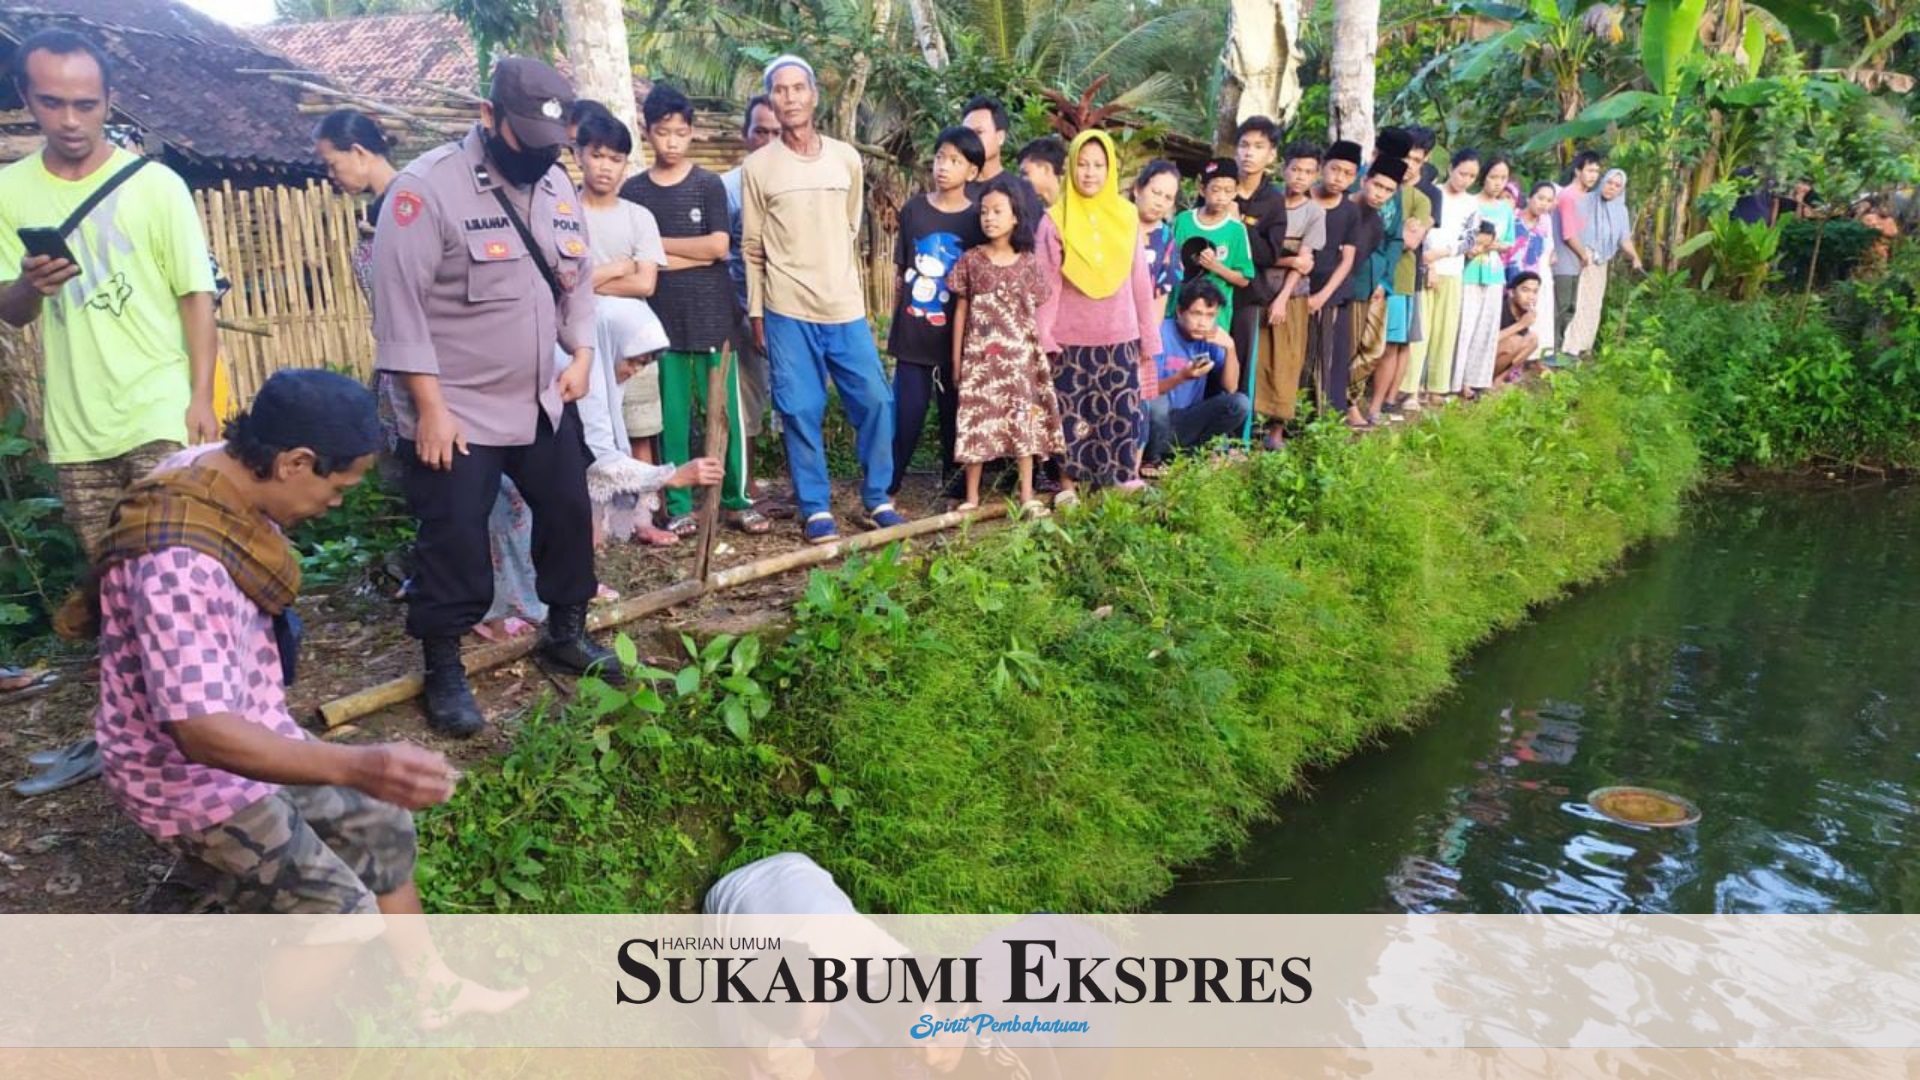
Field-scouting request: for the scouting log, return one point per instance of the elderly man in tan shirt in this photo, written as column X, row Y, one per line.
column 800, row 217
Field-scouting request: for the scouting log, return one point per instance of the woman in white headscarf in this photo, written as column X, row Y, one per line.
column 1609, row 232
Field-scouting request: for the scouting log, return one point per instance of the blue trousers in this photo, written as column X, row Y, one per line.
column 801, row 356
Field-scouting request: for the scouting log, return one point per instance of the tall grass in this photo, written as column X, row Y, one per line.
column 1060, row 715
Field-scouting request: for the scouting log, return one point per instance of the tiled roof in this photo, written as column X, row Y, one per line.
column 404, row 59
column 178, row 74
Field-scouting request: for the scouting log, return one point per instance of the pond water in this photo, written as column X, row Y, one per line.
column 1764, row 664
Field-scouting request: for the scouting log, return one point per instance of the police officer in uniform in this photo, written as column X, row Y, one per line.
column 479, row 268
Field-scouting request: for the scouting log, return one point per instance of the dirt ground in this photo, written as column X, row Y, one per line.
column 73, row 851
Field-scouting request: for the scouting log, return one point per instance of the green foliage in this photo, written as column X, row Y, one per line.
column 1844, row 245
column 338, row 548
column 1059, row 714
column 39, row 556
column 1742, row 252
column 1770, row 389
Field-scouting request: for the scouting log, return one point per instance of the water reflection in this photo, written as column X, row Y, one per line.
column 1761, row 665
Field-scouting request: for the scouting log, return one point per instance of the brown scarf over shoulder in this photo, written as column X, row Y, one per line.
column 196, row 508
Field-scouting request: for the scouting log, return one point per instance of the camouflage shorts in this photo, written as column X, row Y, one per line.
column 311, row 850
column 89, row 489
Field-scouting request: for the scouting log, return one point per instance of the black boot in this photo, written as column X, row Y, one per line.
column 567, row 646
column 451, row 710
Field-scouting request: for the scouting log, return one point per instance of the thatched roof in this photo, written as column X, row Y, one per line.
column 183, row 78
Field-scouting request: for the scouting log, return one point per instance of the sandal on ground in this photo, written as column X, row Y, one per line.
column 1275, row 440
column 749, row 521
column 1034, row 508
column 605, row 595
column 40, row 759
column 1066, row 499
column 683, row 526
column 510, row 627
column 1134, row 484
column 653, row 537
column 18, row 684
column 966, row 508
column 78, row 764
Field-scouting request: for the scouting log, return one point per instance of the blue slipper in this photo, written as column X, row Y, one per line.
column 71, row 769
column 820, row 529
column 884, row 516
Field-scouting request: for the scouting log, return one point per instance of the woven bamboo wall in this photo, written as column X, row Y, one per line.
column 294, row 298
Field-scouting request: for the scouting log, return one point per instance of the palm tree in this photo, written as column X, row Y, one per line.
column 1145, row 50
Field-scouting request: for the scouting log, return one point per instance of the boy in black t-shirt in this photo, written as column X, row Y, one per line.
column 694, row 299
column 935, row 230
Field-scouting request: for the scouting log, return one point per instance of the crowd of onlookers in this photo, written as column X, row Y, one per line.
column 544, row 351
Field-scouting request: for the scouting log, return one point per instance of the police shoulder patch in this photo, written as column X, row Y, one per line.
column 406, row 208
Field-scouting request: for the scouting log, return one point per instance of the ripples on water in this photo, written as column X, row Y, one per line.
column 1764, row 664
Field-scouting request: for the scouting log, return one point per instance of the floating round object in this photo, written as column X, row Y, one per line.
column 1644, row 806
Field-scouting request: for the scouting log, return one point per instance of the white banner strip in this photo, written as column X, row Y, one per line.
column 791, row 987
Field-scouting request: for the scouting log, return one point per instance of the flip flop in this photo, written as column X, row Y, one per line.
column 40, row 759
column 18, row 684
column 69, row 770
column 653, row 537
column 749, row 521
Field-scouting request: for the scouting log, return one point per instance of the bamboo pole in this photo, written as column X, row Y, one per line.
column 353, row 706
column 718, row 408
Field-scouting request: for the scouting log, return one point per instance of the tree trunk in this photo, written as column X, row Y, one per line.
column 1262, row 62
column 926, row 32
column 846, row 115
column 597, row 50
column 1356, row 39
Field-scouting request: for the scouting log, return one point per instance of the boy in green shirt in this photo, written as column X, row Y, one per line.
column 1223, row 251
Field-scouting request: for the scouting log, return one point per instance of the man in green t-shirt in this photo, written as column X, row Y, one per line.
column 128, row 329
column 1211, row 239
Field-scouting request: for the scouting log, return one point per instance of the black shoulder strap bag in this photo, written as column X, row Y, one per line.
column 80, row 212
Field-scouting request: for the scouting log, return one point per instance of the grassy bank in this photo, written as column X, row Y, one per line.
column 1058, row 716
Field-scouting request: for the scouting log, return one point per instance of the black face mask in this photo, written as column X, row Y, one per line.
column 521, row 168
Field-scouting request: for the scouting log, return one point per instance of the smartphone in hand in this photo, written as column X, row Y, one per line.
column 40, row 240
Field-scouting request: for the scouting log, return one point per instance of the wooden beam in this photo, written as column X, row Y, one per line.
column 398, row 691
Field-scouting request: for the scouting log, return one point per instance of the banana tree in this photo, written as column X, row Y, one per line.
column 1688, row 96
column 1556, row 35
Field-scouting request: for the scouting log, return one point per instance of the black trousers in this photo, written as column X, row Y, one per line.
column 1330, row 357
column 915, row 387
column 453, row 564
column 1249, row 322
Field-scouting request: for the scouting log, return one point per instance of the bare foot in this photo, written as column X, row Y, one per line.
column 448, row 997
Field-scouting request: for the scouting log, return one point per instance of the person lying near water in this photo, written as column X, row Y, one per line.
column 191, row 599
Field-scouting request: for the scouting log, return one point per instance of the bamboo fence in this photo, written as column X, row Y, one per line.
column 294, row 302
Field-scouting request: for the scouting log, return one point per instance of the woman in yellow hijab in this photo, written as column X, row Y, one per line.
column 1100, row 321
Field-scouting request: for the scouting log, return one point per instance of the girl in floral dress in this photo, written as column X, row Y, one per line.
column 1007, row 405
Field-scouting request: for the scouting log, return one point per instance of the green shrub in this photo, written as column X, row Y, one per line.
column 1060, row 714
column 1772, row 389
